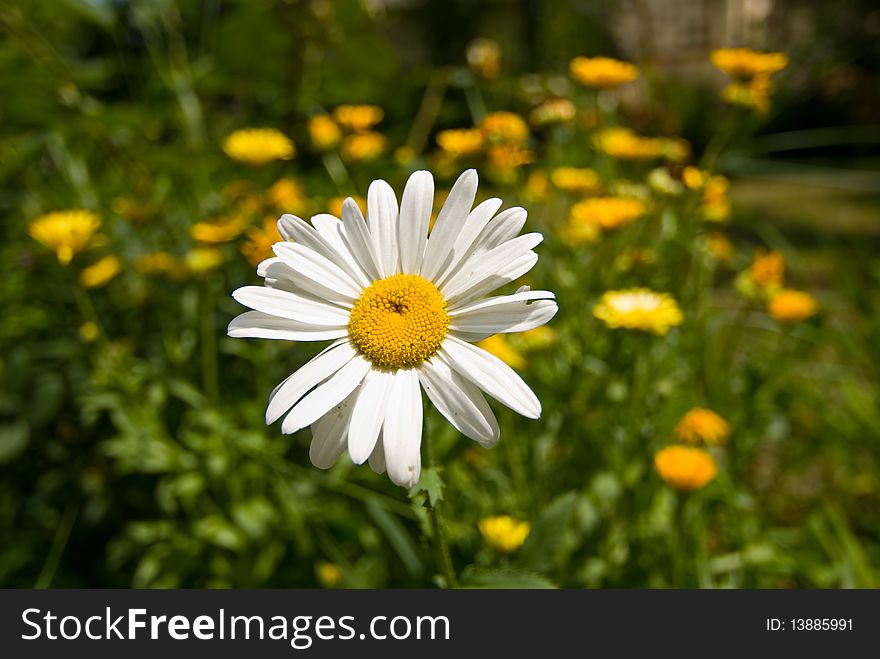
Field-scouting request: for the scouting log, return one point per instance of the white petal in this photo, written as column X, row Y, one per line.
column 318, row 274
column 326, row 395
column 331, row 230
column 491, row 375
column 357, row 238
column 487, row 265
column 507, row 319
column 504, row 313
column 460, row 401
column 377, row 459
column 305, row 309
column 382, row 220
column 259, row 325
column 415, row 217
column 369, row 412
column 506, row 226
column 508, row 273
column 295, row 229
column 402, row 435
column 472, row 228
column 263, row 265
column 523, row 295
column 449, row 222
column 329, row 434
column 311, row 374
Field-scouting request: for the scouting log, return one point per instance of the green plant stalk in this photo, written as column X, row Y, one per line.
column 62, row 535
column 210, row 371
column 438, row 530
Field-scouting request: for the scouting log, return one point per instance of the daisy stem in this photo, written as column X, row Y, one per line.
column 438, row 528
column 441, row 546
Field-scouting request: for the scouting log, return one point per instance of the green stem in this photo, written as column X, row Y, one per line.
column 62, row 535
column 438, row 529
column 441, row 546
column 210, row 377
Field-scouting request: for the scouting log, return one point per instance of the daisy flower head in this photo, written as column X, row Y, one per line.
column 402, row 308
column 639, row 309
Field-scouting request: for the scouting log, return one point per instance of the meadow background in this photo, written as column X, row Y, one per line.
column 133, row 450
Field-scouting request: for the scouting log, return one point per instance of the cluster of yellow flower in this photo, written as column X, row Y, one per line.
column 763, row 281
column 624, row 144
column 503, row 136
column 351, row 127
column 689, row 468
column 751, row 70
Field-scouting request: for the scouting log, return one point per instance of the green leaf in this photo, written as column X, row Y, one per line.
column 431, row 482
column 474, row 577
column 544, row 541
column 397, row 536
column 14, row 439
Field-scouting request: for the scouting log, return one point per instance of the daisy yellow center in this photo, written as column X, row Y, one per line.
column 399, row 321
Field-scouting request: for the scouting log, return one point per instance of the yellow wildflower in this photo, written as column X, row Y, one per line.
column 501, row 348
column 219, row 231
column 639, row 309
column 694, row 178
column 364, row 146
column 258, row 246
column 65, row 232
column 202, row 260
column 607, row 212
column 602, row 72
column 323, row 132
column 504, row 533
column 762, row 279
column 461, row 142
column 329, row 575
column 258, row 146
column 747, row 63
column 358, row 118
column 624, row 144
column 552, row 111
column 702, row 425
column 715, row 205
column 286, row 195
column 507, row 157
column 539, row 338
column 685, row 468
column 100, row 273
column 789, row 306
column 577, row 180
column 754, row 94
column 505, row 127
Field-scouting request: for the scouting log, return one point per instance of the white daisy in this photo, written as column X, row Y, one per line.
column 402, row 308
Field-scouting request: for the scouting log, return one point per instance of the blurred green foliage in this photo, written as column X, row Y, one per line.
column 138, row 456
